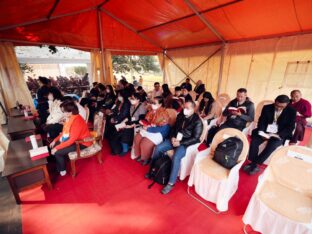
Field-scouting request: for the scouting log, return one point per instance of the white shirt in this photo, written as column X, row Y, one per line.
column 56, row 114
column 82, row 111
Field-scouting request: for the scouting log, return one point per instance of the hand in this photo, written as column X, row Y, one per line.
column 112, row 120
column 52, row 144
column 145, row 127
column 219, row 121
column 237, row 113
column 176, row 143
column 173, row 139
column 298, row 114
column 53, row 151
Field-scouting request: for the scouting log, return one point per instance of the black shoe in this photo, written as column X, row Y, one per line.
column 254, row 170
column 138, row 159
column 167, row 189
column 247, row 167
column 123, row 154
column 145, row 162
column 148, row 176
column 113, row 153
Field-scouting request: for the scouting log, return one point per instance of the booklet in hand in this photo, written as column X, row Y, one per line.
column 267, row 135
column 240, row 109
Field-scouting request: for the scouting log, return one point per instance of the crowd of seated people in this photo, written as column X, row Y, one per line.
column 139, row 121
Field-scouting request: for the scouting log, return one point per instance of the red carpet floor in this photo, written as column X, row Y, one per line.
column 113, row 198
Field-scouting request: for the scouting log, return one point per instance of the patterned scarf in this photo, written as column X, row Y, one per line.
column 66, row 128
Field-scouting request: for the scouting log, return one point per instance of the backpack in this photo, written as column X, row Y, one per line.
column 160, row 170
column 228, row 152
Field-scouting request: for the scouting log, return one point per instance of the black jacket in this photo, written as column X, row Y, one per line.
column 123, row 113
column 285, row 122
column 200, row 89
column 191, row 128
column 239, row 121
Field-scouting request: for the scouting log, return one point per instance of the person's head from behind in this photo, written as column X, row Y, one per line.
column 140, row 90
column 177, row 91
column 295, row 95
column 157, row 102
column 207, row 96
column 134, row 99
column 121, row 84
column 69, row 108
column 165, row 89
column 189, row 108
column 199, row 82
column 67, row 99
column 94, row 84
column 101, row 87
column 43, row 81
column 241, row 95
column 188, row 80
column 54, row 94
column 156, row 86
column 281, row 102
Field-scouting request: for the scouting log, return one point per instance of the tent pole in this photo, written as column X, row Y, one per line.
column 100, row 32
column 204, row 20
column 163, row 65
column 221, row 68
column 131, row 28
column 53, row 9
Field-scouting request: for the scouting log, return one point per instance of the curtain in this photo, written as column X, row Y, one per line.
column 12, row 83
column 4, row 143
column 96, row 67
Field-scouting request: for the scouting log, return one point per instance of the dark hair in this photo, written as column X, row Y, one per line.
column 207, row 107
column 178, row 88
column 84, row 101
column 67, row 99
column 111, row 89
column 43, row 80
column 56, row 93
column 242, row 90
column 136, row 96
column 101, row 87
column 160, row 100
column 94, row 84
column 70, row 106
column 156, row 83
column 188, row 79
column 295, row 91
column 139, row 88
column 123, row 82
column 282, row 99
column 166, row 90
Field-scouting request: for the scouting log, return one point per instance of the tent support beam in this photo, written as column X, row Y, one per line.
column 221, row 68
column 100, row 32
column 131, row 28
column 102, row 4
column 46, row 19
column 190, row 15
column 53, row 8
column 204, row 20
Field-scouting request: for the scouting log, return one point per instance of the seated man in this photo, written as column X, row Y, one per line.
column 187, row 84
column 276, row 123
column 237, row 114
column 157, row 90
column 303, row 108
column 185, row 94
column 186, row 131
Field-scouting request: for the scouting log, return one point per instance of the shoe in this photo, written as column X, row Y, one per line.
column 254, row 170
column 148, row 175
column 123, row 154
column 63, row 173
column 167, row 189
column 247, row 167
column 138, row 159
column 113, row 153
column 145, row 162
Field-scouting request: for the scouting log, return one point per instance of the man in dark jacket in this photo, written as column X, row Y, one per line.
column 237, row 114
column 186, row 131
column 276, row 124
column 187, row 84
column 199, row 89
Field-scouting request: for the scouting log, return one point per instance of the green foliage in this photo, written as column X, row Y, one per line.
column 80, row 70
column 140, row 64
column 25, row 68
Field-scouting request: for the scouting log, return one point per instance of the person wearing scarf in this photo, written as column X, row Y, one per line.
column 75, row 128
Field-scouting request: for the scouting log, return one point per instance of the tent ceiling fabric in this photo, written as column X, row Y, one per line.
column 166, row 23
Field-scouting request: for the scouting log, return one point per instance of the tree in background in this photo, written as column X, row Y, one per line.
column 80, row 70
column 140, row 64
column 26, row 68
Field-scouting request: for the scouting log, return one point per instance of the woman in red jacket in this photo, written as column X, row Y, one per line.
column 75, row 128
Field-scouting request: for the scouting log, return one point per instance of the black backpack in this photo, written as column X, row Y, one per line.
column 228, row 152
column 160, row 170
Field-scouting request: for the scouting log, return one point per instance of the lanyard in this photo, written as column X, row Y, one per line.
column 277, row 115
column 136, row 109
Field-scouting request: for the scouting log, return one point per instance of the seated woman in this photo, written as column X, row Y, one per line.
column 54, row 124
column 208, row 108
column 123, row 138
column 167, row 95
column 119, row 112
column 177, row 102
column 75, row 128
column 155, row 129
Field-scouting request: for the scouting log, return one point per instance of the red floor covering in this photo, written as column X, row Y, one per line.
column 113, row 198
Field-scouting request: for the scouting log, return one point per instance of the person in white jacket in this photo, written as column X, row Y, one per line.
column 56, row 117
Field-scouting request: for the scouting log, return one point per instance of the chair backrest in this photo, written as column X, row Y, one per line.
column 193, row 95
column 259, row 108
column 231, row 132
column 98, row 123
column 172, row 116
column 223, row 99
column 291, row 166
column 87, row 113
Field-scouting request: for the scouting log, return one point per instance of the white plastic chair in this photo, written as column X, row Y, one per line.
column 282, row 202
column 213, row 182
